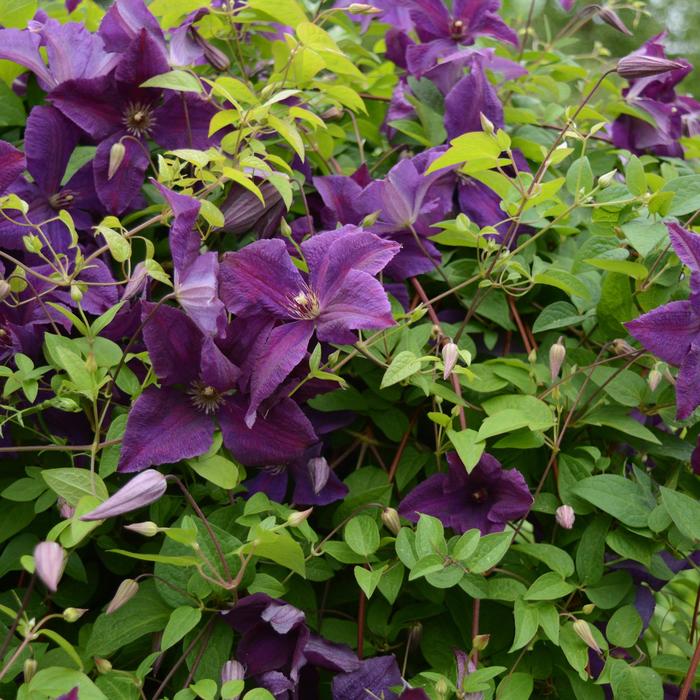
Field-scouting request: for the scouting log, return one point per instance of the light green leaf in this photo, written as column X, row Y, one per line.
column 367, row 579
column 624, row 627
column 468, row 447
column 73, row 483
column 684, row 511
column 362, row 535
column 182, row 620
column 616, row 495
column 403, row 366
column 179, row 80
column 549, row 586
column 217, row 469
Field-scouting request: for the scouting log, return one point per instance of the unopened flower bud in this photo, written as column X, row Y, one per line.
column 65, row 509
column 73, row 614
column 49, row 562
column 285, row 228
column 298, row 517
column 588, row 608
column 565, row 517
column 621, row 347
column 29, row 669
column 147, row 528
column 76, row 293
column 557, row 355
column 145, row 488
column 441, row 688
column 390, row 518
column 215, row 56
column 128, row 588
column 654, row 379
column 583, row 630
column 486, row 124
column 361, row 8
column 636, row 66
column 332, row 113
column 102, row 665
column 481, row 641
column 91, row 363
column 532, row 356
column 370, row 219
column 232, row 670
column 606, row 179
column 450, row 355
column 5, row 289
column 116, row 158
column 319, row 473
column 610, row 17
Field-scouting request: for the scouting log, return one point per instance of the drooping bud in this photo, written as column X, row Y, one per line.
column 232, row 670
column 565, row 517
column 116, row 158
column 654, row 379
column 5, row 289
column 147, row 528
column 557, row 355
column 486, row 124
column 610, row 17
column 49, row 562
column 621, row 347
column 298, row 517
column 319, row 473
column 145, row 488
column 29, row 669
column 636, row 66
column 583, row 630
column 128, row 588
column 606, row 179
column 390, row 518
column 481, row 641
column 73, row 614
column 361, row 8
column 102, row 665
column 450, row 355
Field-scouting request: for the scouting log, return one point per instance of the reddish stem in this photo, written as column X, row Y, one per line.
column 402, row 446
column 688, row 682
column 361, row 613
column 527, row 342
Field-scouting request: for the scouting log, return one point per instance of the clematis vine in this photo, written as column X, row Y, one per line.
column 486, row 498
column 672, row 331
column 338, row 296
column 198, row 390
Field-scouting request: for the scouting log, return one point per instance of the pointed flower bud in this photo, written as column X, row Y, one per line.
column 565, row 517
column 65, row 509
column 621, row 347
column 390, row 518
column 49, row 562
column 557, row 355
column 128, row 588
column 654, row 379
column 486, row 124
column 73, row 614
column 610, row 17
column 361, row 8
column 216, row 57
column 76, row 294
column 29, row 669
column 588, row 608
column 102, row 665
column 147, row 528
column 636, row 66
column 5, row 289
column 481, row 641
column 116, row 158
column 606, row 179
column 298, row 517
column 450, row 355
column 145, row 488
column 319, row 473
column 232, row 671
column 583, row 630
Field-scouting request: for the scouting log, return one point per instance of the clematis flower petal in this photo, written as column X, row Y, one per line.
column 184, row 241
column 12, row 164
column 163, row 427
column 21, row 46
column 688, row 383
column 144, row 489
column 667, row 331
column 119, row 191
column 687, row 247
column 216, row 369
column 124, row 20
column 374, row 678
column 182, row 121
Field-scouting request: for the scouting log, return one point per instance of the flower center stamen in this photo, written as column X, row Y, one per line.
column 205, row 397
column 138, row 119
column 61, row 200
column 480, row 495
column 457, row 29
column 304, row 305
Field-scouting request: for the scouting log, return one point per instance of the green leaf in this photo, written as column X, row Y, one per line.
column 635, row 177
column 556, row 559
column 466, row 545
column 16, row 13
column 11, row 108
column 287, row 12
column 620, row 497
column 549, row 586
column 686, row 194
column 636, row 683
column 159, row 558
column 684, row 511
column 258, row 693
column 429, row 564
column 560, row 314
column 623, row 267
column 579, row 176
column 539, row 415
column 217, row 469
column 617, row 418
column 490, row 550
column 119, row 247
column 73, row 483
column 610, row 590
column 391, row 580
column 624, row 627
column 205, row 689
column 179, row 80
column 468, row 447
column 362, row 535
column 367, row 579
column 278, row 547
column 516, row 686
column 231, row 690
column 182, row 620
column 526, row 623
column 403, row 366
column 561, row 279
column 56, row 680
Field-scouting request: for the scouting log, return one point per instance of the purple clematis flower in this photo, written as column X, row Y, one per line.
column 656, row 96
column 49, row 142
column 338, row 296
column 72, row 51
column 115, row 109
column 70, row 695
column 197, row 387
column 672, row 331
column 315, row 483
column 374, row 678
column 277, row 648
column 567, row 4
column 485, row 499
column 196, row 274
column 123, row 22
column 12, row 165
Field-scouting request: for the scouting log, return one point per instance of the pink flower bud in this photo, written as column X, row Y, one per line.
column 319, row 473
column 610, row 17
column 65, row 509
column 583, row 630
column 565, row 517
column 557, row 355
column 232, row 671
column 450, row 354
column 49, row 561
column 146, row 528
column 128, row 588
column 654, row 379
column 636, row 66
column 390, row 518
column 145, row 488
column 298, row 517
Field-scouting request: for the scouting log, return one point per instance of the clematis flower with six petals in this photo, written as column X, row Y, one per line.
column 338, row 296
